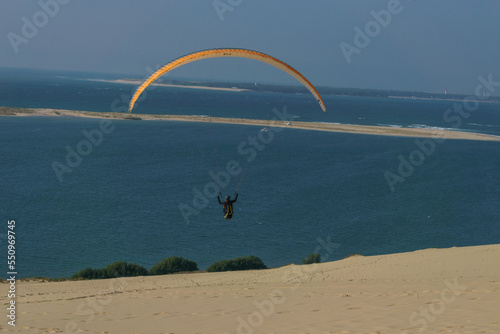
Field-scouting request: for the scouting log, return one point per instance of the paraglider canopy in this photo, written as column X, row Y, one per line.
column 214, row 53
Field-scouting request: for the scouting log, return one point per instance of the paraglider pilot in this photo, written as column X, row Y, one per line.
column 227, row 205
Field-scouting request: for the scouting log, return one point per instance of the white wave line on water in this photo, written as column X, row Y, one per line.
column 390, row 125
column 486, row 125
column 424, row 126
column 334, row 123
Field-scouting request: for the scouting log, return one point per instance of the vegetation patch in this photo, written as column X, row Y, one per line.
column 116, row 269
column 173, row 264
column 239, row 263
column 312, row 258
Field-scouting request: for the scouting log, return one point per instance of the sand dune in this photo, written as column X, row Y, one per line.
column 317, row 126
column 455, row 290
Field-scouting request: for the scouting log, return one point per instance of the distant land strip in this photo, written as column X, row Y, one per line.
column 286, row 89
column 317, row 126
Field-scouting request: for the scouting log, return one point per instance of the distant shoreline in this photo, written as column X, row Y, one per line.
column 138, row 82
column 433, row 99
column 316, row 126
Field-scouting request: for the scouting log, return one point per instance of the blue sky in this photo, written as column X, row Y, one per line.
column 428, row 45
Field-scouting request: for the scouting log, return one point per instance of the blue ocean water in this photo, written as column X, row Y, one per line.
column 304, row 188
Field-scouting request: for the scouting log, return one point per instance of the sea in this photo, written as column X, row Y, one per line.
column 85, row 192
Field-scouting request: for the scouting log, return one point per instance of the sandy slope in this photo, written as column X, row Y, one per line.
column 455, row 290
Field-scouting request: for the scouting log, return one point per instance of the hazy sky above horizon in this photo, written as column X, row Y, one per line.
column 424, row 45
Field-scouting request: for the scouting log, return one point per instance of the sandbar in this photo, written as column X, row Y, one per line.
column 265, row 124
column 139, row 82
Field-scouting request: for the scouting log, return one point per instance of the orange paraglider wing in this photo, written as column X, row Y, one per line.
column 215, row 53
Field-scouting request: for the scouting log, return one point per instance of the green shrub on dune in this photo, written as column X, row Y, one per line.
column 312, row 258
column 124, row 269
column 173, row 264
column 239, row 263
column 89, row 273
column 116, row 269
